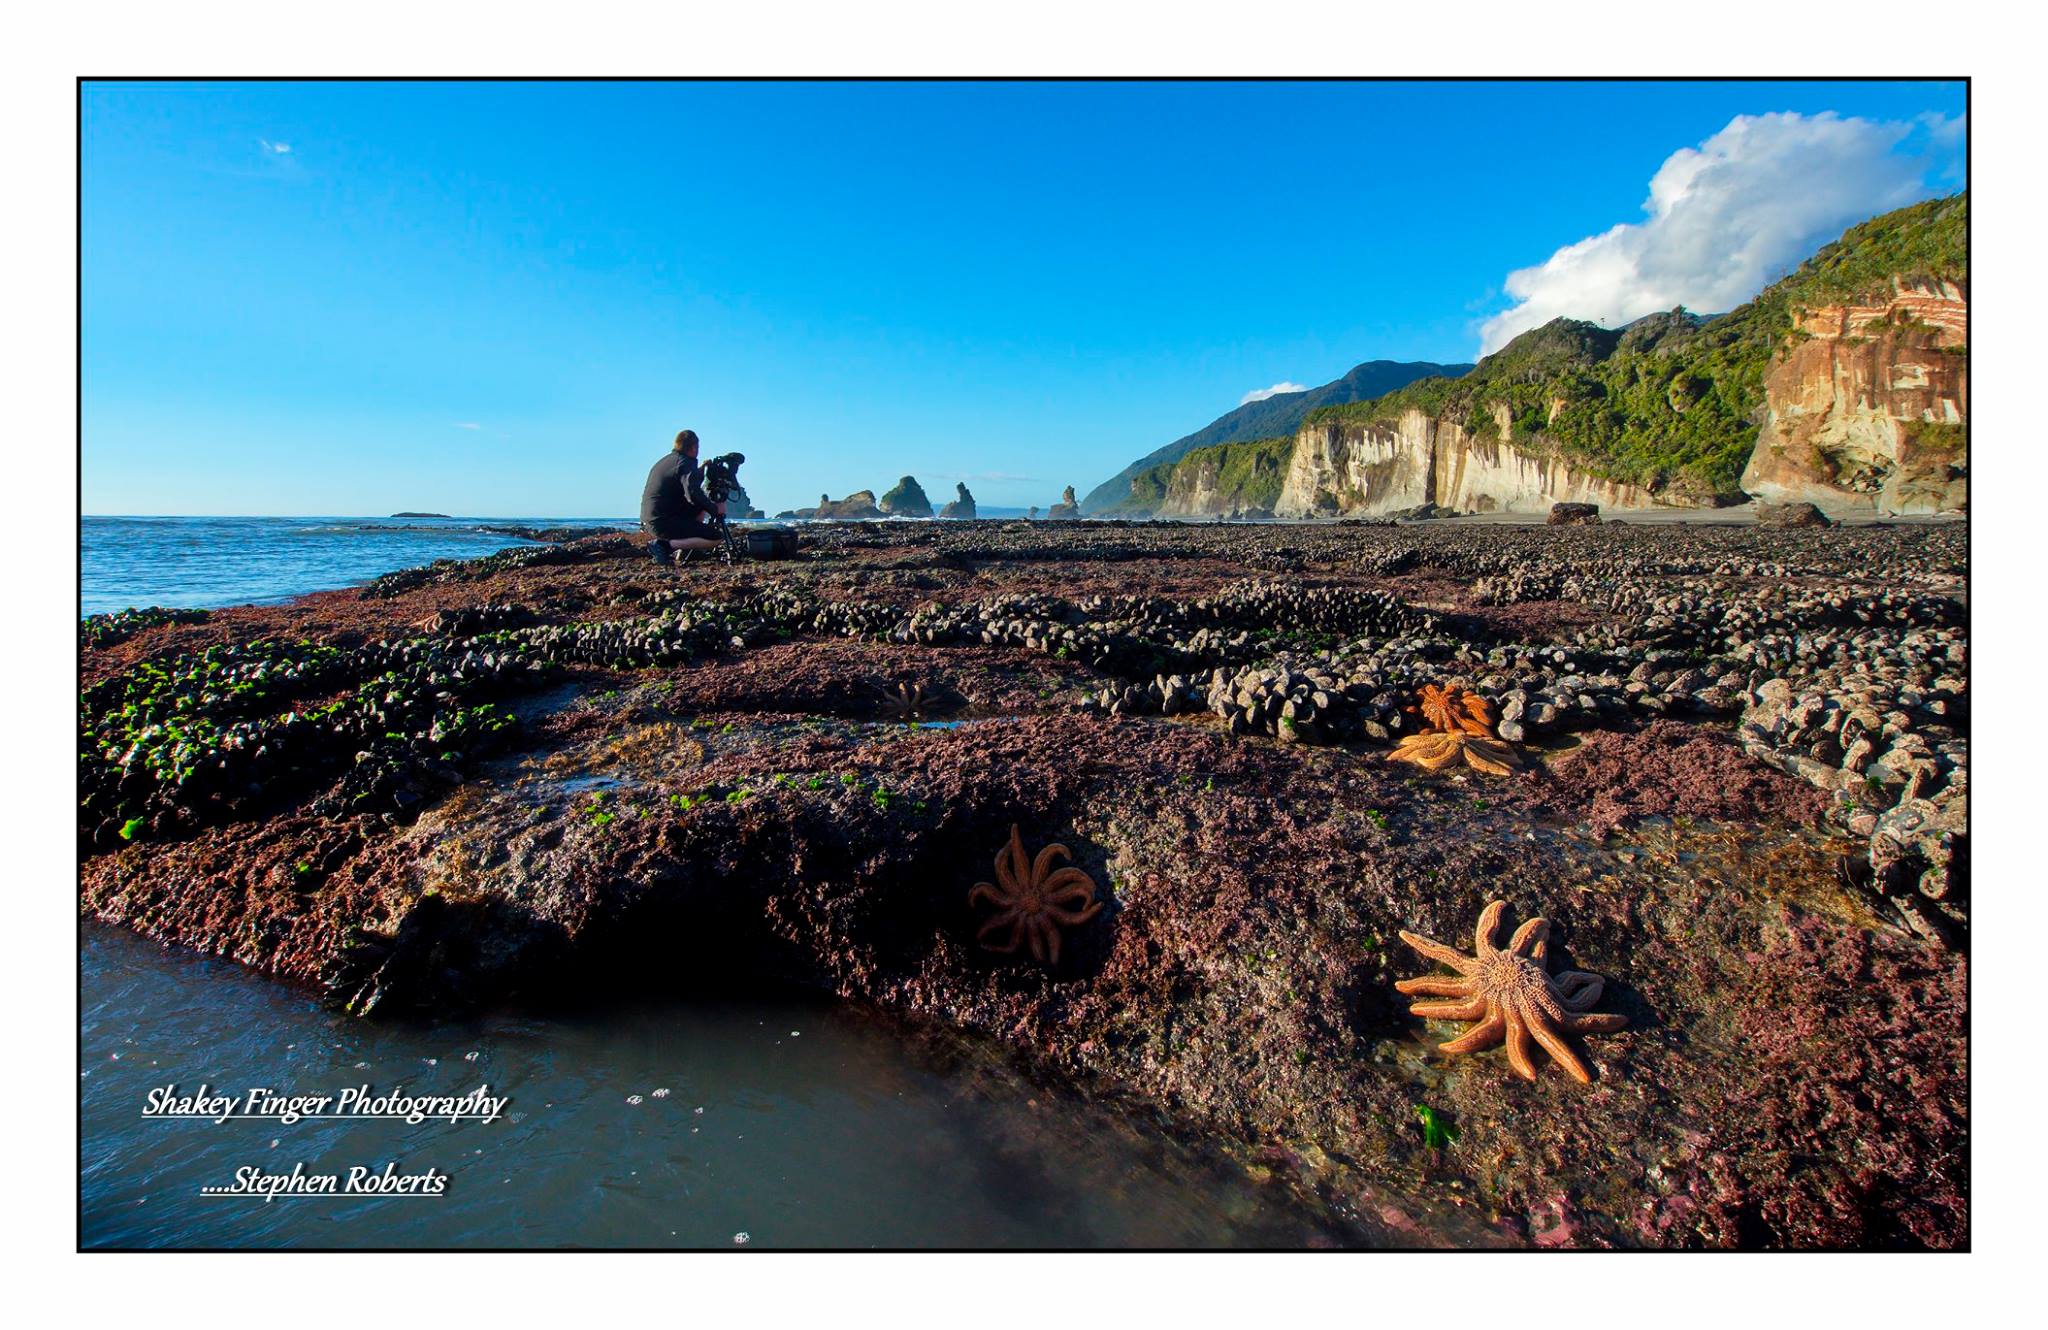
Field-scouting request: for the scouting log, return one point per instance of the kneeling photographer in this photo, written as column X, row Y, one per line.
column 682, row 506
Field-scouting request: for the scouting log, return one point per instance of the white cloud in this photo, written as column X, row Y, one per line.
column 1261, row 394
column 1727, row 217
column 467, row 424
column 280, row 149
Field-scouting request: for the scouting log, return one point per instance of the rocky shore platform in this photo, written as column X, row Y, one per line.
column 1740, row 799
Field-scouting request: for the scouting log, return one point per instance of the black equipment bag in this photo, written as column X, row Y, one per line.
column 770, row 542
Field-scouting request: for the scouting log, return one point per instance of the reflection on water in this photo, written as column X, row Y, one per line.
column 652, row 1124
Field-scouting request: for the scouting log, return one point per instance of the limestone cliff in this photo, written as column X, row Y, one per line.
column 1343, row 468
column 1866, row 408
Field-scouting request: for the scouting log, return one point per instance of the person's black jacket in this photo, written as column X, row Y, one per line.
column 674, row 492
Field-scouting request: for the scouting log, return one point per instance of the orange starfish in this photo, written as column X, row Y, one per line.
column 1034, row 901
column 1461, row 730
column 1454, row 708
column 1512, row 995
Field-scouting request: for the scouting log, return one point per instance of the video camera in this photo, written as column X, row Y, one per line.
column 722, row 476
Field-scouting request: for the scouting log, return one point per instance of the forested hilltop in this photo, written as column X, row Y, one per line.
column 1670, row 405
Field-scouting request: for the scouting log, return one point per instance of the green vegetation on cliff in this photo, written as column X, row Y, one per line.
column 1673, row 400
column 1125, row 494
column 1244, row 476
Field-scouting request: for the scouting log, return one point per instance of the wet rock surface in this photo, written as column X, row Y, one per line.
column 1743, row 802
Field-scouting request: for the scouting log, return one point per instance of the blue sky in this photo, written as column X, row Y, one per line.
column 503, row 299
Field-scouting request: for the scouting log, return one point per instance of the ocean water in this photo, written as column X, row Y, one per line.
column 206, row 562
column 678, row 1122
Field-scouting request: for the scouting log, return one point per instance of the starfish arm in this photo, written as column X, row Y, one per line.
column 1450, row 1011
column 995, row 921
column 1484, row 1035
column 1448, row 754
column 1490, row 756
column 982, row 889
column 1579, row 990
column 1043, row 862
column 1560, row 1053
column 1008, row 945
column 1078, row 916
column 1542, row 1004
column 1529, row 935
column 1068, row 880
column 1012, row 866
column 1488, row 929
column 1539, row 951
column 1598, row 1023
column 1434, row 986
column 1431, row 752
column 1438, row 952
column 1518, row 1048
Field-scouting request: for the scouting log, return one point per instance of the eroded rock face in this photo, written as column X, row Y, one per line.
column 1066, row 508
column 1867, row 408
column 1351, row 470
column 1197, row 491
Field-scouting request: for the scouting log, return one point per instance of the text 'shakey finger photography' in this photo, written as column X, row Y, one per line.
column 1500, row 783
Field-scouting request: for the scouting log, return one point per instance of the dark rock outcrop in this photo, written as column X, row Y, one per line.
column 855, row 507
column 1066, row 509
column 1791, row 514
column 1574, row 514
column 962, row 506
column 907, row 499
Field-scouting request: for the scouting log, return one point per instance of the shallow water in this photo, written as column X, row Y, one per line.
column 207, row 562
column 655, row 1123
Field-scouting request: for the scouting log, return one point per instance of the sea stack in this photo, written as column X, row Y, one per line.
column 963, row 506
column 907, row 500
column 1066, row 508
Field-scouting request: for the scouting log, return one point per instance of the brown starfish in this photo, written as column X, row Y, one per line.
column 1460, row 730
column 1512, row 994
column 1033, row 900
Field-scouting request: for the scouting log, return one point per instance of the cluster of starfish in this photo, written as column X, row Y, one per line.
column 1512, row 995
column 1460, row 730
column 909, row 698
column 1034, row 900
